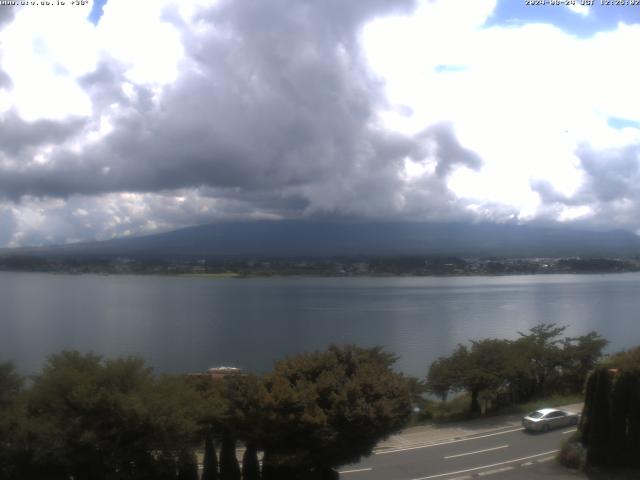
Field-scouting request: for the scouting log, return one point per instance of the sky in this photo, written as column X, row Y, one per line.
column 124, row 118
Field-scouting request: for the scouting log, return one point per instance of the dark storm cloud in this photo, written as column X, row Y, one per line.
column 280, row 99
column 16, row 135
column 104, row 86
column 273, row 115
column 7, row 226
column 449, row 152
column 6, row 14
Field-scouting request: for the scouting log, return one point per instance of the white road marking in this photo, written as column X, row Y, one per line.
column 485, row 466
column 356, row 471
column 570, row 431
column 447, row 442
column 477, row 451
column 495, row 470
column 546, row 459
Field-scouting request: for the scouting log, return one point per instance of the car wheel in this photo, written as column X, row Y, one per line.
column 574, row 421
column 545, row 427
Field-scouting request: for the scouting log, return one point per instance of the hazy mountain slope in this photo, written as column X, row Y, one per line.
column 325, row 238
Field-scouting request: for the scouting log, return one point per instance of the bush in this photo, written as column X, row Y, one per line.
column 572, row 454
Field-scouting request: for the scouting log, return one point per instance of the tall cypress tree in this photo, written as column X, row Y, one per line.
column 269, row 467
column 187, row 466
column 210, row 461
column 634, row 420
column 250, row 465
column 620, row 411
column 599, row 421
column 229, row 468
column 587, row 409
column 165, row 467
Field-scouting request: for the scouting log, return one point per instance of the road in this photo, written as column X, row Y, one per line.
column 491, row 453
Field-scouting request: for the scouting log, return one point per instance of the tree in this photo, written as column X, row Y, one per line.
column 165, row 466
column 486, row 365
column 90, row 418
column 210, row 461
column 11, row 416
column 187, row 466
column 610, row 423
column 10, row 385
column 233, row 408
column 440, row 378
column 241, row 406
column 250, row 465
column 626, row 359
column 229, row 468
column 325, row 409
column 541, row 346
column 579, row 356
column 595, row 424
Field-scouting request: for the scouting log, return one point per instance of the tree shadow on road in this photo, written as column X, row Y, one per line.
column 613, row 474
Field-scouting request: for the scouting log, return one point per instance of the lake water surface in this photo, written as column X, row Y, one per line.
column 188, row 324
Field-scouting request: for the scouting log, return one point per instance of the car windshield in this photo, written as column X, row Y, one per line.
column 535, row 415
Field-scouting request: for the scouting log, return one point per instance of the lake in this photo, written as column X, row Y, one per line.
column 183, row 324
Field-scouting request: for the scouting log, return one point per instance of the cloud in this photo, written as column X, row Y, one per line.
column 608, row 197
column 16, row 135
column 6, row 14
column 613, row 174
column 273, row 114
column 175, row 113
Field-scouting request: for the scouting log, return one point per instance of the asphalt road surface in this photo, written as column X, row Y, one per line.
column 494, row 453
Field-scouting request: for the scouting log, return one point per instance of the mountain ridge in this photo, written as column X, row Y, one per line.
column 320, row 238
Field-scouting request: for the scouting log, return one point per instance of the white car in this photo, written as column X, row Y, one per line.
column 548, row 418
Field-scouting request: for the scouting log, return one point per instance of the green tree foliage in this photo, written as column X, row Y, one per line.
column 234, row 406
column 10, row 418
column 187, row 466
column 538, row 363
column 325, row 409
column 229, row 467
column 610, row 424
column 10, row 385
column 417, row 388
column 625, row 360
column 250, row 464
column 579, row 356
column 596, row 417
column 241, row 406
column 276, row 469
column 94, row 418
column 441, row 377
column 542, row 348
column 488, row 364
column 165, row 466
column 210, row 461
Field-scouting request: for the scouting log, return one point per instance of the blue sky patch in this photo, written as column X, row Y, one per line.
column 600, row 17
column 620, row 123
column 96, row 11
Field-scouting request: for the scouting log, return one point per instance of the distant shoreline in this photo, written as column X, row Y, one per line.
column 238, row 276
column 373, row 266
